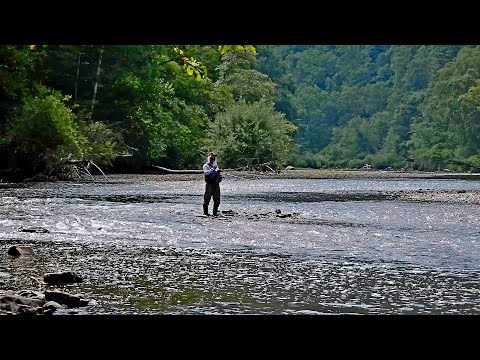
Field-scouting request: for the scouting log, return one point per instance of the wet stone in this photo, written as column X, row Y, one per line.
column 228, row 212
column 27, row 310
column 65, row 299
column 38, row 230
column 52, row 306
column 32, row 294
column 62, row 278
column 18, row 250
column 48, row 312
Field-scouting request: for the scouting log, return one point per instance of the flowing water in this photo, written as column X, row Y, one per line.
column 283, row 246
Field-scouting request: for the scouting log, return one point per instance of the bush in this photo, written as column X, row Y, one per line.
column 384, row 160
column 46, row 132
column 434, row 158
column 475, row 161
column 249, row 134
column 356, row 163
column 103, row 145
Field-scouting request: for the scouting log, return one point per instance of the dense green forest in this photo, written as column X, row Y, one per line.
column 125, row 108
column 412, row 106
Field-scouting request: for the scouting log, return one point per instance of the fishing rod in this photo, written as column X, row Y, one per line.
column 224, row 172
column 239, row 177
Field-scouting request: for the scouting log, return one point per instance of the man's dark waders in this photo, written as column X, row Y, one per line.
column 211, row 189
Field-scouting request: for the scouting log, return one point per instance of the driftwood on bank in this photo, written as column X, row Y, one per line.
column 82, row 167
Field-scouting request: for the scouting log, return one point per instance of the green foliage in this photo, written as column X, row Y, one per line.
column 226, row 48
column 103, row 143
column 475, row 162
column 160, row 124
column 448, row 128
column 435, row 157
column 46, row 130
column 155, row 101
column 361, row 137
column 379, row 104
column 390, row 106
column 250, row 133
column 48, row 134
column 192, row 66
column 307, row 160
column 243, row 82
column 4, row 143
column 383, row 160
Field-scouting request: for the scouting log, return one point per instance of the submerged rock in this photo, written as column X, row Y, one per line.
column 18, row 250
column 66, row 299
column 62, row 278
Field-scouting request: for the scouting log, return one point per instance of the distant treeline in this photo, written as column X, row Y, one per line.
column 415, row 106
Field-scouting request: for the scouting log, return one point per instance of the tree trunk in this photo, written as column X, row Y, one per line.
column 78, row 74
column 96, row 80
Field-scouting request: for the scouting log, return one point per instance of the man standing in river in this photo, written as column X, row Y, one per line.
column 212, row 186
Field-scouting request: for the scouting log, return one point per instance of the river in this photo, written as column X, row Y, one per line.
column 296, row 246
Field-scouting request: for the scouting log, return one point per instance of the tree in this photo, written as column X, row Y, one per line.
column 449, row 116
column 243, row 82
column 250, row 133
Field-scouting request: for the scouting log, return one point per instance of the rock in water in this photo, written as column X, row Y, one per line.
column 65, row 299
column 52, row 306
column 63, row 277
column 18, row 250
column 34, row 230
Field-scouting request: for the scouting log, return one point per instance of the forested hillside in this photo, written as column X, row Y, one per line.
column 411, row 106
column 125, row 108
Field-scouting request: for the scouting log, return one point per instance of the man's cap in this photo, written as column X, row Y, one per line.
column 212, row 154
